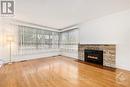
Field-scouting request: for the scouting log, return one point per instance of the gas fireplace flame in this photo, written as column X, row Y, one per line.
column 93, row 57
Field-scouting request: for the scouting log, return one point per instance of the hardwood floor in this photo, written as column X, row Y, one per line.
column 60, row 72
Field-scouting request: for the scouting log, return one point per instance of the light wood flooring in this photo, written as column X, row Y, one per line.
column 60, row 72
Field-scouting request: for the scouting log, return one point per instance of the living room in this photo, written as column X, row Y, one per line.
column 65, row 43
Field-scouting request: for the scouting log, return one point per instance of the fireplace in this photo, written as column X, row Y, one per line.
column 93, row 56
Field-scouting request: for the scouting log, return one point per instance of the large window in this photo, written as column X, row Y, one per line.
column 69, row 41
column 34, row 38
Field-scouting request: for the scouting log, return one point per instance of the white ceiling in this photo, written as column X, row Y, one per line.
column 63, row 13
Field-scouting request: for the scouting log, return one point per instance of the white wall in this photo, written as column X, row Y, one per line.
column 111, row 29
column 36, row 54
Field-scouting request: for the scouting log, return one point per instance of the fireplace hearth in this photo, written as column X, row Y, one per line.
column 93, row 56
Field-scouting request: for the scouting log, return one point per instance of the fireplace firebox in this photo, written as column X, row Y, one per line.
column 93, row 56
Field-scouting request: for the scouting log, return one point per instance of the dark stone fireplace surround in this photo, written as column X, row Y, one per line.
column 109, row 52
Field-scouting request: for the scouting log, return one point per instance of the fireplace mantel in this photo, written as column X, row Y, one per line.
column 109, row 52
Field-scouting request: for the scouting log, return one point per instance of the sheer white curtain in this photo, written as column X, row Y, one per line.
column 27, row 41
column 69, row 43
column 34, row 40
